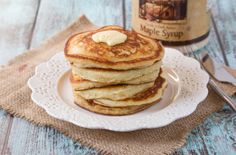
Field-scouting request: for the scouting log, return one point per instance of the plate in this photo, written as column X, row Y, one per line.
column 187, row 87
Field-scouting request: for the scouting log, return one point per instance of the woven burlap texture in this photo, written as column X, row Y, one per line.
column 15, row 99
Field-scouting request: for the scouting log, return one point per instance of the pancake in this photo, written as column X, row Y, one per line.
column 114, row 76
column 79, row 83
column 136, row 52
column 118, row 111
column 145, row 97
column 114, row 92
column 115, row 71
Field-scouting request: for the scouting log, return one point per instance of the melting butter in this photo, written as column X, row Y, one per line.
column 110, row 37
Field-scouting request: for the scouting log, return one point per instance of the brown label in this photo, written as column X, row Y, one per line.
column 170, row 20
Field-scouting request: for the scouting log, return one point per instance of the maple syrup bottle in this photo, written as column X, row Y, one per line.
column 173, row 22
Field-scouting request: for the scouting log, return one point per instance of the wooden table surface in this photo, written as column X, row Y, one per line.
column 25, row 24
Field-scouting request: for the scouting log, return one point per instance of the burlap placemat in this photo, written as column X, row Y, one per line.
column 15, row 99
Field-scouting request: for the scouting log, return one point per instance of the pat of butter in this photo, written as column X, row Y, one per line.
column 110, row 37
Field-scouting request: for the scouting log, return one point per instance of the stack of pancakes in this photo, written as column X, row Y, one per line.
column 115, row 80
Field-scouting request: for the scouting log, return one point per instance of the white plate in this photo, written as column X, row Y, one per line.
column 187, row 87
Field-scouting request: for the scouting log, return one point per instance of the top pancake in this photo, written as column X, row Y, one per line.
column 136, row 52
